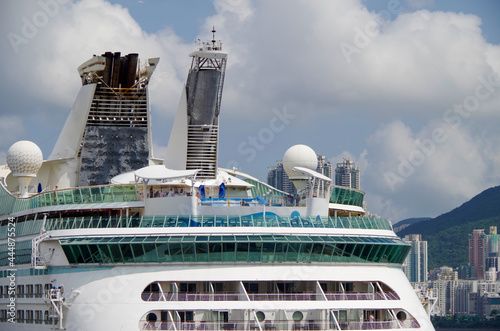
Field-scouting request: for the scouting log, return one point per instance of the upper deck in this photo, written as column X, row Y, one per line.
column 129, row 195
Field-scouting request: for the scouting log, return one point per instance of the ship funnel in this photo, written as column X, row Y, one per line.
column 194, row 138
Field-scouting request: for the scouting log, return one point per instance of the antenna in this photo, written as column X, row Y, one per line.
column 213, row 37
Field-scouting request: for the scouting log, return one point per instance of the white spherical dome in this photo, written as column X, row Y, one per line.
column 299, row 156
column 24, row 158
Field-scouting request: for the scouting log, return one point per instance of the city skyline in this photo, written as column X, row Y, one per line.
column 470, row 289
column 408, row 90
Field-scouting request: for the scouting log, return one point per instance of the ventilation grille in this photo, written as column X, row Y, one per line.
column 202, row 149
column 119, row 107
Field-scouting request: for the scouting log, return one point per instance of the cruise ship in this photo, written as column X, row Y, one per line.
column 103, row 235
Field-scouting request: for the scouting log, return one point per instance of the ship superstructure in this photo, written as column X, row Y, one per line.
column 186, row 245
column 108, row 130
column 194, row 138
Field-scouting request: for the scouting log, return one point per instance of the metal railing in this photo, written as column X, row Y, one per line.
column 185, row 296
column 235, row 296
column 278, row 325
column 334, row 296
column 370, row 223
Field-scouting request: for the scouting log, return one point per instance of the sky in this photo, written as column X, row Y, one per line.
column 408, row 90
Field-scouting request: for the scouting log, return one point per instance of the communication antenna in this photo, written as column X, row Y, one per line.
column 213, row 37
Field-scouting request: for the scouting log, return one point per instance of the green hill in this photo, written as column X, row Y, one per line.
column 407, row 222
column 448, row 234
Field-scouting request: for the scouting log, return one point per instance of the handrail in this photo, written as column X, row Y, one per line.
column 235, row 296
column 276, row 325
column 258, row 220
column 80, row 195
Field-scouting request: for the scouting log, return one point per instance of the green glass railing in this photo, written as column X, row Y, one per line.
column 82, row 195
column 22, row 253
column 240, row 248
column 347, row 196
column 261, row 190
column 370, row 223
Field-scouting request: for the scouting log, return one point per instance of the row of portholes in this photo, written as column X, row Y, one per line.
column 297, row 316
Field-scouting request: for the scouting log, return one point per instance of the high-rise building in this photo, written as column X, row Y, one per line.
column 415, row 265
column 492, row 255
column 324, row 166
column 463, row 290
column 465, row 271
column 278, row 178
column 446, row 296
column 347, row 174
column 476, row 252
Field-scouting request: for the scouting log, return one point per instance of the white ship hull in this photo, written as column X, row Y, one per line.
column 112, row 299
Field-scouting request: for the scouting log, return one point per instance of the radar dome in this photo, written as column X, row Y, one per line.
column 299, row 156
column 24, row 159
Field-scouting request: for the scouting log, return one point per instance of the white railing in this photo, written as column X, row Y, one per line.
column 276, row 325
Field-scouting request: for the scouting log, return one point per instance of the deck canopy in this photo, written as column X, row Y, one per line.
column 156, row 173
column 160, row 172
column 312, row 173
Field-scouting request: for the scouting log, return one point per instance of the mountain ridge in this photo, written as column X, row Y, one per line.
column 447, row 234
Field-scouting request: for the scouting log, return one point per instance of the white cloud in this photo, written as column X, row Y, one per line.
column 401, row 78
column 11, row 130
column 80, row 30
column 440, row 174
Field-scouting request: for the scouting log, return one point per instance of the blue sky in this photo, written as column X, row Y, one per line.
column 186, row 17
column 408, row 89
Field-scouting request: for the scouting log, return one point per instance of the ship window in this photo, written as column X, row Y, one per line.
column 215, row 251
column 151, row 317
column 38, row 317
column 251, row 287
column 150, row 253
column 187, row 287
column 3, row 315
column 188, row 252
column 228, row 249
column 115, row 253
column 260, row 316
column 186, row 316
column 285, row 287
column 298, row 316
column 126, row 251
column 242, row 250
column 269, row 248
column 373, row 253
column 29, row 316
column 138, row 252
column 20, row 291
column 29, row 290
column 164, row 316
column 201, row 249
column 218, row 287
column 175, row 251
